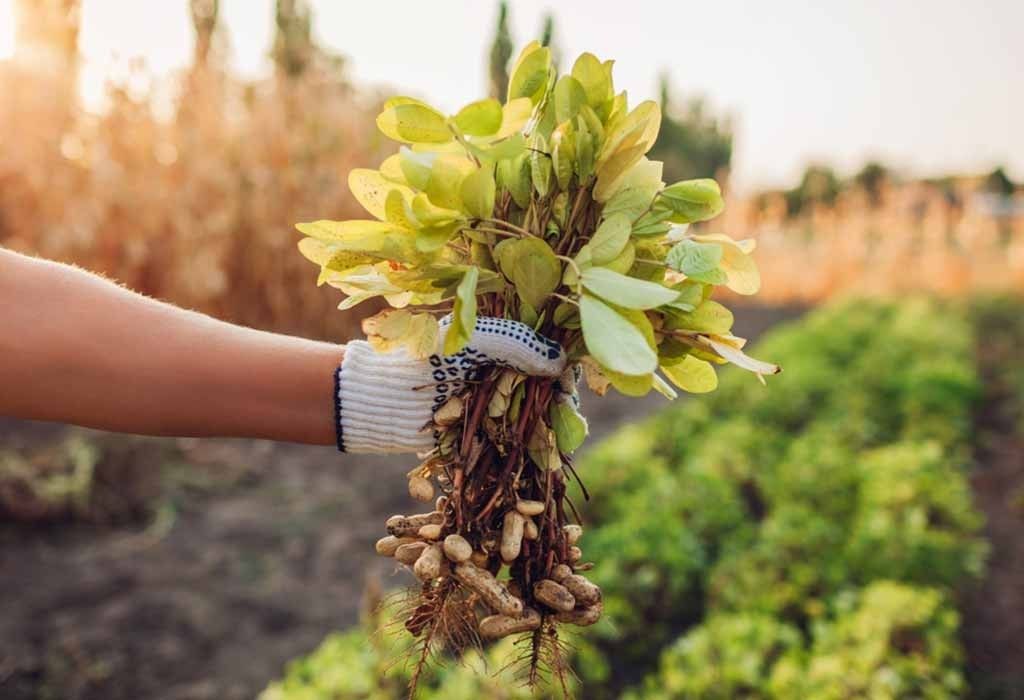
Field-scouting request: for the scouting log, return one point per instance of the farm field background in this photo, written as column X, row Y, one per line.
column 855, row 529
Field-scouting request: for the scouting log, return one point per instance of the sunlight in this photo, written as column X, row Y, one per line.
column 6, row 29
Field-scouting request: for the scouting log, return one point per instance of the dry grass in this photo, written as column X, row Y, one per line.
column 917, row 236
column 196, row 208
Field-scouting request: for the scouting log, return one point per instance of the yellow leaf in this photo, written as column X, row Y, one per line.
column 692, row 375
column 737, row 264
column 370, row 189
column 412, row 121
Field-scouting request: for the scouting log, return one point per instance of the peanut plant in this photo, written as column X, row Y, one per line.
column 543, row 209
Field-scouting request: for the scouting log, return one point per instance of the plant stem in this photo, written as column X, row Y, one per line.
column 510, row 226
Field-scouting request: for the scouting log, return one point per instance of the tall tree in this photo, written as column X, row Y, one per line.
column 501, row 54
column 870, row 178
column 692, row 143
column 293, row 42
column 547, row 38
column 204, row 21
column 998, row 182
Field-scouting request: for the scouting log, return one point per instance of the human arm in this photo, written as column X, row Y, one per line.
column 77, row 348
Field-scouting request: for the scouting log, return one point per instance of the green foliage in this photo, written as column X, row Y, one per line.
column 549, row 195
column 774, row 506
column 364, row 664
column 888, row 641
column 730, row 656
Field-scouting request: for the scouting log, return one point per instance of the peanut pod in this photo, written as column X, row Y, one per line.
column 428, row 566
column 554, row 595
column 575, row 554
column 511, row 536
column 409, row 525
column 409, row 553
column 585, row 592
column 530, row 529
column 572, row 533
column 583, row 617
column 387, row 545
column 491, row 592
column 497, row 626
column 560, row 571
column 457, row 548
column 530, row 507
column 421, row 489
column 430, row 532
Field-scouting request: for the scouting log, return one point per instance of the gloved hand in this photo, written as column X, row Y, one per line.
column 384, row 402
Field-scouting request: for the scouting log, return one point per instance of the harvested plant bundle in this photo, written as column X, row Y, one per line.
column 544, row 210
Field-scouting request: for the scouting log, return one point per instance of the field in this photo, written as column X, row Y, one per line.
column 854, row 530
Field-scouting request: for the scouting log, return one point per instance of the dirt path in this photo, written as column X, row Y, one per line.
column 255, row 552
column 994, row 611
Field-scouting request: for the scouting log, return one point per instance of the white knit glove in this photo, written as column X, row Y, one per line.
column 385, row 402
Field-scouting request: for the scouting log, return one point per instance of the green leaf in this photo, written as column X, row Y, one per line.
column 540, row 165
column 692, row 375
column 506, row 149
column 716, row 276
column 464, row 313
column 432, row 238
column 569, row 97
column 693, row 258
column 691, row 295
column 569, row 426
column 593, row 78
column 610, row 239
column 709, row 317
column 529, row 75
column 425, row 213
column 692, row 200
column 563, row 149
column 635, row 386
column 414, row 122
column 624, row 263
column 514, row 116
column 615, row 340
column 480, row 118
column 521, row 182
column 532, row 267
column 624, row 291
column 653, row 224
column 478, row 191
column 416, row 167
column 637, row 190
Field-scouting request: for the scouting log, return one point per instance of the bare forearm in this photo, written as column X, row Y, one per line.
column 77, row 349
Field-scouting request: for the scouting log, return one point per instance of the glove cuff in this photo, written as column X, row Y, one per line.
column 381, row 405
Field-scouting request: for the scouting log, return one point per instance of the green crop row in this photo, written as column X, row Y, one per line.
column 801, row 540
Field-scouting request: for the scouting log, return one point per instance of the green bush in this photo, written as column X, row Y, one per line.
column 752, row 506
column 729, row 656
column 891, row 641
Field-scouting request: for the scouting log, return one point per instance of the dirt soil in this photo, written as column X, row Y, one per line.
column 993, row 612
column 247, row 554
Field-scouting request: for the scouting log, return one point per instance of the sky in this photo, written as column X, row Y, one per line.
column 929, row 86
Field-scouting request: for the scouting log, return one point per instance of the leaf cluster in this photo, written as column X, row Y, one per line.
column 544, row 208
